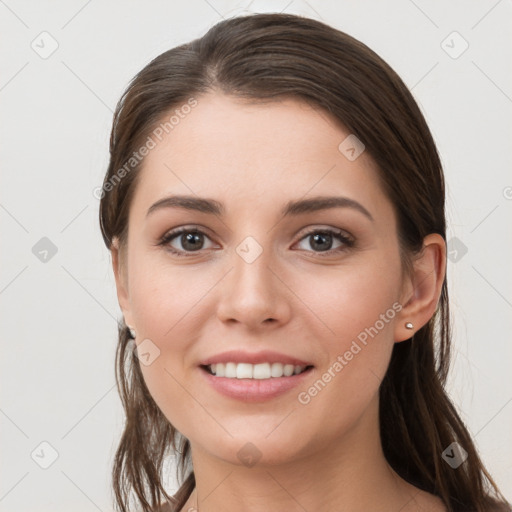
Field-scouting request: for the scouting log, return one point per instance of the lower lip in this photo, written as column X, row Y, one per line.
column 254, row 390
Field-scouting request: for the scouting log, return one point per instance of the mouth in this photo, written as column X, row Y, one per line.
column 259, row 382
column 260, row 371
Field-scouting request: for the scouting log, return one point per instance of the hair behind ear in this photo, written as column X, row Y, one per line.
column 147, row 437
column 418, row 421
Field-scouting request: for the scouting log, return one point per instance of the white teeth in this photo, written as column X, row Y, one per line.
column 244, row 371
column 255, row 371
column 220, row 370
column 276, row 370
column 288, row 370
column 230, row 371
column 261, row 371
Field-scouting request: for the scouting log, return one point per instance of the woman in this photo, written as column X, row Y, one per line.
column 274, row 205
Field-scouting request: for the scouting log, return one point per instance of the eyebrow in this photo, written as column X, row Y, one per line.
column 211, row 206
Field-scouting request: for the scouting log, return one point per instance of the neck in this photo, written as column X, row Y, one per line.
column 349, row 473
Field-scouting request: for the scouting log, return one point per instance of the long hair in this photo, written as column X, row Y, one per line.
column 276, row 56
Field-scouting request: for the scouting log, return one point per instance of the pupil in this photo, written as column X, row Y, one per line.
column 321, row 238
column 191, row 238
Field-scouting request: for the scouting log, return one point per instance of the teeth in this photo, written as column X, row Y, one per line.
column 254, row 371
column 244, row 371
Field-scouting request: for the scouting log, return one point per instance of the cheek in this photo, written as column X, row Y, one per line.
column 351, row 300
column 359, row 307
column 162, row 296
column 169, row 311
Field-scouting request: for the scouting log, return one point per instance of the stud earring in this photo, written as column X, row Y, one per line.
column 133, row 334
column 408, row 325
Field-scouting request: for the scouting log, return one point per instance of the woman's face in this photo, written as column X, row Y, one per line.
column 315, row 287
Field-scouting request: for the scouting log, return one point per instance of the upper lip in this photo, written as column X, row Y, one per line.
column 265, row 356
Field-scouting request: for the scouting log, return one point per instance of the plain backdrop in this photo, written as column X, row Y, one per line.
column 64, row 65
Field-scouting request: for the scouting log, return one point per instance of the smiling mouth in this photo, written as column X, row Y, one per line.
column 260, row 371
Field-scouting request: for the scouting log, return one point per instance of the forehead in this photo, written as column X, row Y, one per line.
column 246, row 153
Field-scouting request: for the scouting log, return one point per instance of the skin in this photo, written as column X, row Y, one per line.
column 254, row 158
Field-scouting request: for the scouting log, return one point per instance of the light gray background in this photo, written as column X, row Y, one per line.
column 58, row 317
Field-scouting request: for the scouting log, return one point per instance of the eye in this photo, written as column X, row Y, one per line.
column 321, row 241
column 185, row 240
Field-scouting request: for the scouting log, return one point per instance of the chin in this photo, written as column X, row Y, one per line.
column 256, row 450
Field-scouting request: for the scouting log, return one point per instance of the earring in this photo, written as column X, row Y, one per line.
column 133, row 334
column 408, row 325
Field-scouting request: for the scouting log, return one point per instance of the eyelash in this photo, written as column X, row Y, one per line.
column 338, row 235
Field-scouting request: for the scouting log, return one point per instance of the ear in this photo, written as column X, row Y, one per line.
column 120, row 274
column 422, row 290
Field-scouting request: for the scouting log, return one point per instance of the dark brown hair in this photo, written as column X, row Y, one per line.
column 276, row 56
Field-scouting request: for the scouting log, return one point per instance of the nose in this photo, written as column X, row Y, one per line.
column 254, row 294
